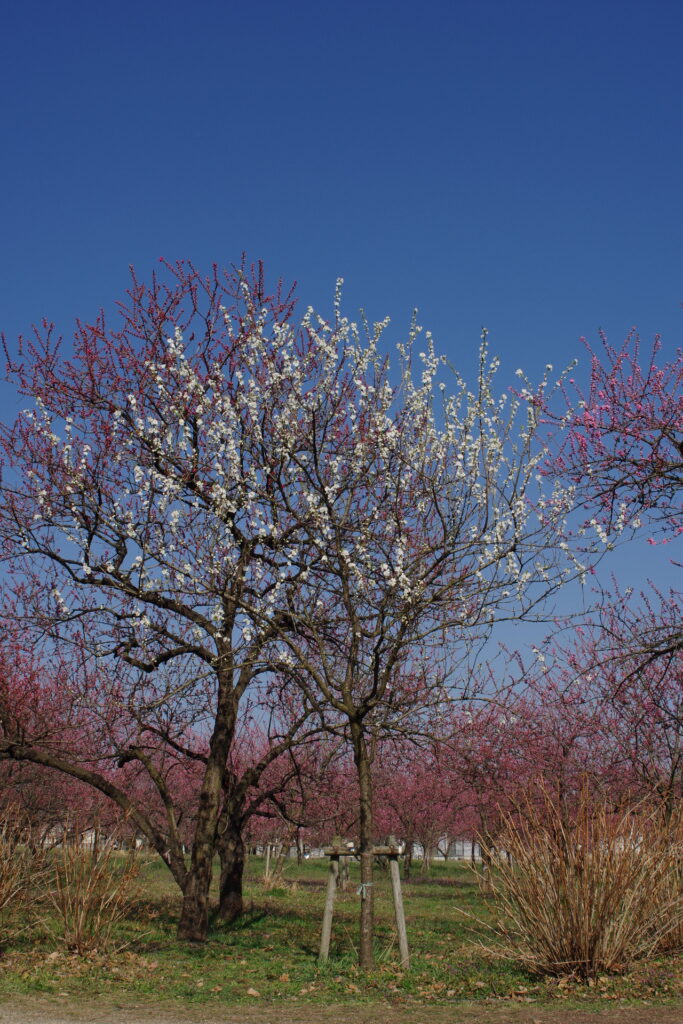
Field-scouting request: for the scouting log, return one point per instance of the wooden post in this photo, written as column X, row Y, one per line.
column 398, row 903
column 329, row 907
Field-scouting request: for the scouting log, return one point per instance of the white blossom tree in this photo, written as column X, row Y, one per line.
column 429, row 523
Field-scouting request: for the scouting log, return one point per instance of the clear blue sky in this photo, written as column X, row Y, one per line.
column 514, row 164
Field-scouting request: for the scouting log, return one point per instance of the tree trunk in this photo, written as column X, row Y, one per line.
column 361, row 759
column 231, row 898
column 408, row 859
column 486, row 851
column 194, row 917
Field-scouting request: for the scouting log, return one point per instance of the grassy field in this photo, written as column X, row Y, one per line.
column 270, row 956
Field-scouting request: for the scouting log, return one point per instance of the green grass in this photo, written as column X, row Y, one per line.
column 272, row 951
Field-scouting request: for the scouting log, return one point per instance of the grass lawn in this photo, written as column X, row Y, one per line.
column 270, row 956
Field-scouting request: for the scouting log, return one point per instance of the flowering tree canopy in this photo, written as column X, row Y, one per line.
column 221, row 509
column 138, row 517
column 429, row 522
column 623, row 448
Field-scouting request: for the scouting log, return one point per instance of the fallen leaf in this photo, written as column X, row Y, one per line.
column 253, row 992
column 283, row 977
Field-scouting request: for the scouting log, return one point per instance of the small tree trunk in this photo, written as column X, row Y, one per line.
column 486, row 850
column 361, row 758
column 96, row 844
column 278, row 872
column 408, row 860
column 332, row 885
column 343, row 874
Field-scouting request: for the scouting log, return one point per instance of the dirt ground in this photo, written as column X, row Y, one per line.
column 66, row 1011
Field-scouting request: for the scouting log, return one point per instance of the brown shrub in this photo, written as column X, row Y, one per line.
column 21, row 869
column 91, row 893
column 590, row 894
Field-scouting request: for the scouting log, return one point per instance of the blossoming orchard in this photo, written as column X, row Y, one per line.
column 252, row 555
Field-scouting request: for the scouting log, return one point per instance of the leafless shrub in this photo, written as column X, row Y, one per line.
column 91, row 893
column 587, row 894
column 672, row 940
column 21, row 867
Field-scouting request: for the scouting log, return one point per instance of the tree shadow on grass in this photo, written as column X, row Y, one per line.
column 250, row 917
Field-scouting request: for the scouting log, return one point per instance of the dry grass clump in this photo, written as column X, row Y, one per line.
column 21, row 866
column 91, row 892
column 672, row 940
column 589, row 894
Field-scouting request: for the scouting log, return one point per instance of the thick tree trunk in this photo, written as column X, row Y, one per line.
column 231, row 898
column 194, row 917
column 361, row 759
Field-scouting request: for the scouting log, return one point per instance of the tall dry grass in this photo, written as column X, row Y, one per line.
column 672, row 940
column 589, row 894
column 91, row 892
column 21, row 868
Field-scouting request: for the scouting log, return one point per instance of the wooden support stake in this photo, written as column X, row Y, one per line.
column 329, row 907
column 398, row 910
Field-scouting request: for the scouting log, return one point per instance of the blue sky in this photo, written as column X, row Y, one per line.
column 517, row 165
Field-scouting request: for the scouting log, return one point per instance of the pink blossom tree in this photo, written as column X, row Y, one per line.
column 418, row 796
column 624, row 447
column 79, row 721
column 622, row 451
column 631, row 705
